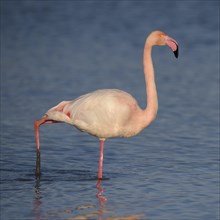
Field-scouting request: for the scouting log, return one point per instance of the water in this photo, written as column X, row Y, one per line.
column 53, row 51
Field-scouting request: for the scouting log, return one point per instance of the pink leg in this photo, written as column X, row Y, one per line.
column 101, row 159
column 37, row 124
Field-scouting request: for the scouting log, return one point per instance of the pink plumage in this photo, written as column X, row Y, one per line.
column 110, row 113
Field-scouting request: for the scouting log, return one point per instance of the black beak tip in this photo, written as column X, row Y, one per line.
column 176, row 52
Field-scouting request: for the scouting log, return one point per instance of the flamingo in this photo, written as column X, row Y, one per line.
column 110, row 113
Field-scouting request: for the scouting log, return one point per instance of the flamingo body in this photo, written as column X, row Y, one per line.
column 110, row 113
column 103, row 113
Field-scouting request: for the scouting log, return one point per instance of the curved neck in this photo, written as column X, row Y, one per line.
column 152, row 101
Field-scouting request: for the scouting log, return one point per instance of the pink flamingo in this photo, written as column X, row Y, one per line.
column 110, row 113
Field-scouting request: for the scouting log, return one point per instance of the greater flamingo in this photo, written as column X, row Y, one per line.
column 110, row 113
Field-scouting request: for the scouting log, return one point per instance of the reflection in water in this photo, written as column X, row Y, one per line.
column 37, row 202
column 37, row 188
column 100, row 211
column 102, row 199
column 87, row 211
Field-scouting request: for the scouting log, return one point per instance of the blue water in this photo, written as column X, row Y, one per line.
column 57, row 50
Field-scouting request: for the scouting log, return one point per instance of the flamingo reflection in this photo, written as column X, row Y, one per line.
column 37, row 202
column 98, row 213
column 102, row 199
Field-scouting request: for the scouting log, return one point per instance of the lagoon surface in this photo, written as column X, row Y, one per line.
column 57, row 50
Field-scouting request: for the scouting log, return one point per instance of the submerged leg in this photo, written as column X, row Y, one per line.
column 37, row 171
column 101, row 158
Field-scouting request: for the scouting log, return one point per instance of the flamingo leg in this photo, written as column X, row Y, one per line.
column 101, row 158
column 37, row 124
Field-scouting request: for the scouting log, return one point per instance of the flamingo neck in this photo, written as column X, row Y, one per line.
column 150, row 111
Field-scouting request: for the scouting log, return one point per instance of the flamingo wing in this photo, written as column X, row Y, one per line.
column 103, row 113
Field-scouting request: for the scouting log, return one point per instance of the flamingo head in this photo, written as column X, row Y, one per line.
column 160, row 38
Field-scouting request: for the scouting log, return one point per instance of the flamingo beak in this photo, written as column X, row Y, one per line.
column 176, row 52
column 173, row 45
